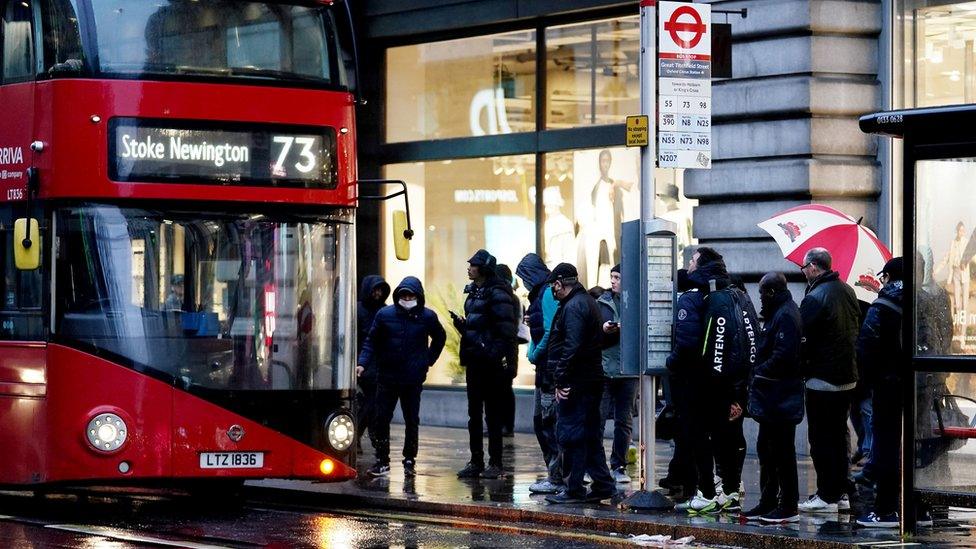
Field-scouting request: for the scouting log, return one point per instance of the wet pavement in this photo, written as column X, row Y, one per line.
column 436, row 489
column 70, row 522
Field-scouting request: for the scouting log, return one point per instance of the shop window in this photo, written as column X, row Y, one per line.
column 458, row 207
column 591, row 73
column 460, row 88
column 588, row 194
column 941, row 52
column 17, row 58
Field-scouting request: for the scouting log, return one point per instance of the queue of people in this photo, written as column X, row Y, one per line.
column 813, row 360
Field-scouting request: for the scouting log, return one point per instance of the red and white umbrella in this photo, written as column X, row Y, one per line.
column 857, row 253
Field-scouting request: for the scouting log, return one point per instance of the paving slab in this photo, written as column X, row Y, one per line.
column 437, row 490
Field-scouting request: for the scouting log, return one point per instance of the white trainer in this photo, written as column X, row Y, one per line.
column 701, row 504
column 729, row 502
column 817, row 505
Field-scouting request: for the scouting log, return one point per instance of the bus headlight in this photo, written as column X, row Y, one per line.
column 106, row 432
column 341, row 432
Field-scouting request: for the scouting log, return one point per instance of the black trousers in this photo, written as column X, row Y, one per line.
column 366, row 409
column 886, row 451
column 580, row 435
column 544, row 422
column 730, row 453
column 486, row 384
column 387, row 395
column 827, row 414
column 778, row 482
column 716, row 440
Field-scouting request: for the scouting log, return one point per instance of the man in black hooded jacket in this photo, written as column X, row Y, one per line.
column 542, row 308
column 405, row 341
column 372, row 297
column 489, row 332
column 713, row 400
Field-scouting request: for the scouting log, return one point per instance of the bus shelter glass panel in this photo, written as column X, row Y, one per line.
column 484, row 85
column 591, row 72
column 458, row 207
column 945, row 323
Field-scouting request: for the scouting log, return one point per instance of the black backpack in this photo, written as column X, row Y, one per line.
column 731, row 332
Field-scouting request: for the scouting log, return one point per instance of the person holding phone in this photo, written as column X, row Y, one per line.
column 489, row 331
column 620, row 390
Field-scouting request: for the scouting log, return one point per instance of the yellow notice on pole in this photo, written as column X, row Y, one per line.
column 637, row 128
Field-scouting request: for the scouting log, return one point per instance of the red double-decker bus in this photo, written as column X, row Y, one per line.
column 177, row 199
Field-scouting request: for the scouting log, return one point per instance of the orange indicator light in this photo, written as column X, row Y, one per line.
column 327, row 467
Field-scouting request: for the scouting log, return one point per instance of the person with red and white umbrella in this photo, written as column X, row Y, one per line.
column 831, row 320
column 857, row 256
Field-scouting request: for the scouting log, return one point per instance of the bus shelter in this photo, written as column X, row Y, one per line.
column 939, row 314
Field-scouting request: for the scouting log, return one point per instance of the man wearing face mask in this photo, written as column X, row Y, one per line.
column 776, row 402
column 405, row 341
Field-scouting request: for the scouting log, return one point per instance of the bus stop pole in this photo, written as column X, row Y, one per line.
column 646, row 498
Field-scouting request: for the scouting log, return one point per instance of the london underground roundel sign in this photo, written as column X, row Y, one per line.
column 685, row 27
column 684, row 30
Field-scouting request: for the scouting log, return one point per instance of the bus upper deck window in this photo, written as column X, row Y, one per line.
column 17, row 58
column 62, row 38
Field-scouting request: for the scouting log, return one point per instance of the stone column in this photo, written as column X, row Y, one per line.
column 785, row 126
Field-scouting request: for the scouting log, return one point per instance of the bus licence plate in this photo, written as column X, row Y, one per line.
column 231, row 460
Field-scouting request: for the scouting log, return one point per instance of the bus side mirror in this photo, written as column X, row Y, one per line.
column 27, row 244
column 401, row 235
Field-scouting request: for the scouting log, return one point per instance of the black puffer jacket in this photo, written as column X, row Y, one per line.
column 879, row 344
column 404, row 344
column 830, row 327
column 575, row 343
column 491, row 327
column 366, row 310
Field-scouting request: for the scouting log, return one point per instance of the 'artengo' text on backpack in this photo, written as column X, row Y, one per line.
column 729, row 348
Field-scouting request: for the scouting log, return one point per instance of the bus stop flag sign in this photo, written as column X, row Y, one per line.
column 684, row 85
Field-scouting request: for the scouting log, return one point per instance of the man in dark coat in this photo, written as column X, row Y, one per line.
column 879, row 351
column 830, row 325
column 372, row 298
column 775, row 383
column 405, row 341
column 542, row 308
column 575, row 358
column 711, row 401
column 489, row 331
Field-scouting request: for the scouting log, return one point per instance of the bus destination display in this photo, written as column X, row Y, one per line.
column 170, row 151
